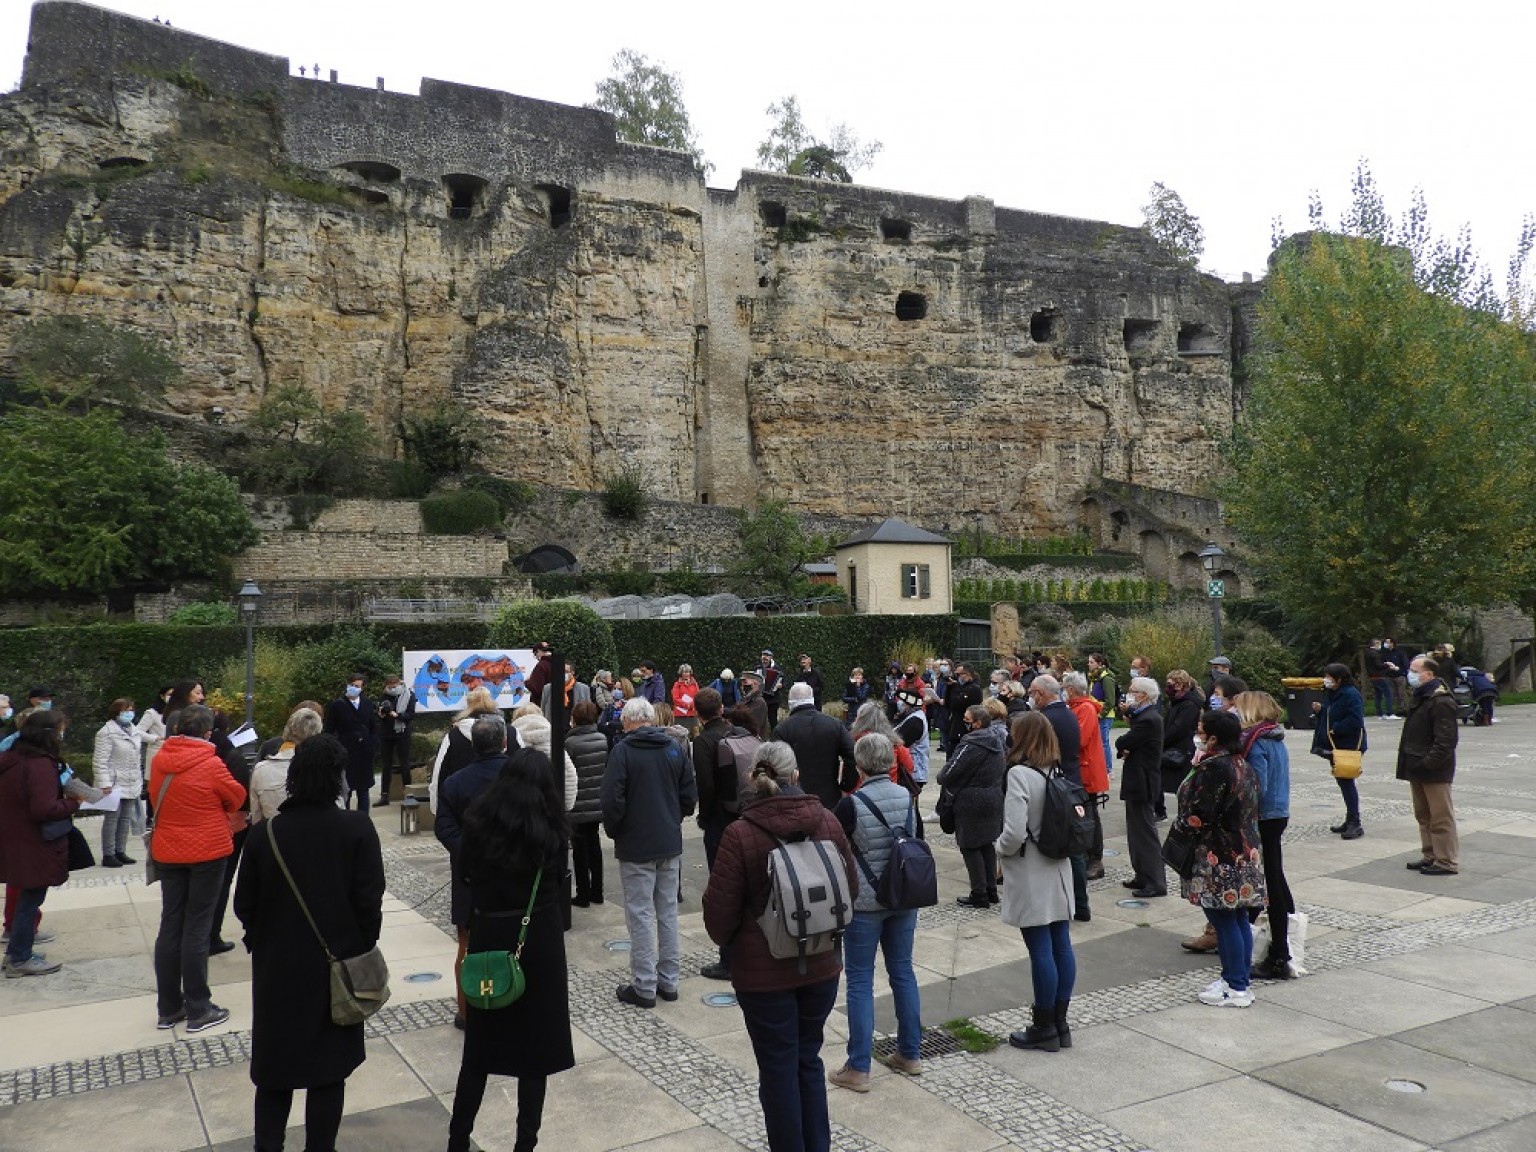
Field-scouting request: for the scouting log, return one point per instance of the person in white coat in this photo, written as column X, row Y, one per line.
column 534, row 731
column 118, row 765
column 1037, row 890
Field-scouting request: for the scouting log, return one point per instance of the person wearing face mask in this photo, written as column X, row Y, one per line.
column 938, row 712
column 353, row 719
column 7, row 717
column 117, row 762
column 1426, row 758
column 1340, row 723
column 1140, row 784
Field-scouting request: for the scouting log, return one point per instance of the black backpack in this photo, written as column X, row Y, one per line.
column 736, row 751
column 911, row 878
column 1066, row 818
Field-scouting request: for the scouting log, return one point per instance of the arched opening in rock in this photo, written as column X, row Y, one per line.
column 911, row 306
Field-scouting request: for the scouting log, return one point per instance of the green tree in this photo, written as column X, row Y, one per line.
column 443, row 442
column 577, row 632
column 790, row 147
column 1173, row 226
column 1380, row 471
column 647, row 101
column 299, row 448
column 775, row 547
column 75, row 360
column 86, row 506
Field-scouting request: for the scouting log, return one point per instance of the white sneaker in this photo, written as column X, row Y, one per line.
column 1227, row 998
column 1217, row 988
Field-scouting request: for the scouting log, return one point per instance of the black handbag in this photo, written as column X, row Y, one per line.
column 1179, row 850
column 945, row 811
column 80, row 855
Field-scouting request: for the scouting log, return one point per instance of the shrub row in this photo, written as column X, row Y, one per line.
column 1108, row 561
column 1063, row 591
column 1078, row 544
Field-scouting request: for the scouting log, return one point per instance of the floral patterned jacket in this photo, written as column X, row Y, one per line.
column 1219, row 808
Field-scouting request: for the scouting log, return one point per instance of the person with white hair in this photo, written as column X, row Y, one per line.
column 823, row 747
column 1141, row 782
column 648, row 788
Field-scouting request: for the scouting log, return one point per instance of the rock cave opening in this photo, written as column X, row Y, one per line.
column 895, row 229
column 557, row 200
column 773, row 213
column 911, row 306
column 1199, row 340
column 374, row 171
column 1140, row 337
column 1042, row 326
column 465, row 194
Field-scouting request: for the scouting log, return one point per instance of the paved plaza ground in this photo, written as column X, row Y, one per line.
column 1424, row 983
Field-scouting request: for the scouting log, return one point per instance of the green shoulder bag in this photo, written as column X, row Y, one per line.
column 495, row 979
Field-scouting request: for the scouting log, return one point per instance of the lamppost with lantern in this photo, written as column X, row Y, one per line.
column 250, row 600
column 1211, row 557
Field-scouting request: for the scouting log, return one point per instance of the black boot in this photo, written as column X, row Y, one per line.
column 1352, row 831
column 1063, row 1033
column 1041, row 1035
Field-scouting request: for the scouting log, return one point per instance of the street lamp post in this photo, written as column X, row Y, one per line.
column 250, row 600
column 1211, row 557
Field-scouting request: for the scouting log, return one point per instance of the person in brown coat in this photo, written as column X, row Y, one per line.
column 31, row 861
column 1426, row 758
column 785, row 1011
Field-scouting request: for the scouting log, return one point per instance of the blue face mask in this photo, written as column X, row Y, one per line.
column 1216, row 704
column 7, row 713
column 44, row 705
column 1414, row 679
column 353, row 691
column 125, row 718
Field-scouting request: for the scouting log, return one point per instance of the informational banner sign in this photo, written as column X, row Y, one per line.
column 442, row 678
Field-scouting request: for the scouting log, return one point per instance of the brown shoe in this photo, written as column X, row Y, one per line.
column 1205, row 942
column 1095, row 870
column 896, row 1062
column 850, row 1078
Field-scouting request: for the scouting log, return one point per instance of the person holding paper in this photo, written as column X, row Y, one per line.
column 119, row 765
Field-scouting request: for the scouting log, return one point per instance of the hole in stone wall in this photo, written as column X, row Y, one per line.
column 558, row 200
column 373, row 196
column 911, row 306
column 773, row 214
column 762, row 281
column 1042, row 326
column 121, row 162
column 374, row 170
column 703, row 497
column 1199, row 340
column 895, row 229
column 466, row 193
column 1140, row 337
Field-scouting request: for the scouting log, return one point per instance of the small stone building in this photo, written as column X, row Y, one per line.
column 895, row 569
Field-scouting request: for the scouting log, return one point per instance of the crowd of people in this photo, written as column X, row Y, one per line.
column 287, row 826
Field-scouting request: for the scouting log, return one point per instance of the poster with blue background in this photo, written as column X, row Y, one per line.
column 442, row 678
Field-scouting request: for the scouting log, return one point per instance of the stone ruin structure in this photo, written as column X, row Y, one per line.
column 856, row 351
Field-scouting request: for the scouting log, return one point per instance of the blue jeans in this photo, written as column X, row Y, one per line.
column 1381, row 688
column 1052, row 963
column 24, row 924
column 1234, row 944
column 1351, row 799
column 1106, row 724
column 786, row 1030
column 892, row 933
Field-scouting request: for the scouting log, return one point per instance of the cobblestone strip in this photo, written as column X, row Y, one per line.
column 1022, row 1115
column 700, row 1080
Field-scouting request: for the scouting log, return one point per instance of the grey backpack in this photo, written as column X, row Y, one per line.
column 809, row 906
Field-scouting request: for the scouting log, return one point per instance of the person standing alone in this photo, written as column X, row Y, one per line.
column 1426, row 758
column 352, row 718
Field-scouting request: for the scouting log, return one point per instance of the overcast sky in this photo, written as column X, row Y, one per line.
column 1070, row 108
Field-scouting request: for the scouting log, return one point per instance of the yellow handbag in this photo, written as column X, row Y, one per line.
column 1347, row 761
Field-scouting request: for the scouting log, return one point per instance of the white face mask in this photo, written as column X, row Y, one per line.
column 1330, row 683
column 1414, row 679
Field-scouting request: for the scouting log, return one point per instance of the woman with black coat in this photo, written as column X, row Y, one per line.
column 973, row 781
column 1340, row 723
column 334, row 858
column 1179, row 724
column 588, row 749
column 512, row 831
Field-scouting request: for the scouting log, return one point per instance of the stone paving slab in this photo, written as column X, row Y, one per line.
column 408, row 1127
column 1501, row 1040
column 1456, row 1100
column 1516, row 1136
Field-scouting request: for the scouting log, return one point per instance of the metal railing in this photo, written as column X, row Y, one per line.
column 378, row 608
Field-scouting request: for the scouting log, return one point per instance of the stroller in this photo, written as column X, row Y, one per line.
column 1475, row 694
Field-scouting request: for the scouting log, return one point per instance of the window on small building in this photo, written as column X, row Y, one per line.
column 853, row 586
column 558, row 202
column 1042, row 326
column 895, row 229
column 466, row 194
column 911, row 306
column 915, row 583
column 773, row 214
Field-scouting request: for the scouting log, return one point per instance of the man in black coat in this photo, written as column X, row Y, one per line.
column 717, row 788
column 963, row 692
column 353, row 719
column 1045, row 697
column 823, row 748
column 1426, row 758
column 1141, row 782
column 488, row 735
column 808, row 674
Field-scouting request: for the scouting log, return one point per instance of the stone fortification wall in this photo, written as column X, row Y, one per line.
column 853, row 350
column 371, row 556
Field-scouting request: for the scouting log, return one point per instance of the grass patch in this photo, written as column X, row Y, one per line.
column 1508, row 698
column 971, row 1038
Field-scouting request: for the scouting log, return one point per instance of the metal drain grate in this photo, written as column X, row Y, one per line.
column 935, row 1043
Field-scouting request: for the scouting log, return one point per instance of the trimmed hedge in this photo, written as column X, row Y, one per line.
column 1108, row 561
column 835, row 643
column 1077, row 609
column 460, row 512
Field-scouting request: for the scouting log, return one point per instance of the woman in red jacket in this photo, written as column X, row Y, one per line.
column 785, row 1011
column 31, row 862
column 193, row 793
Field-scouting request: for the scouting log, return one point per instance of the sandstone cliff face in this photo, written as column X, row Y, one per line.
column 589, row 299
